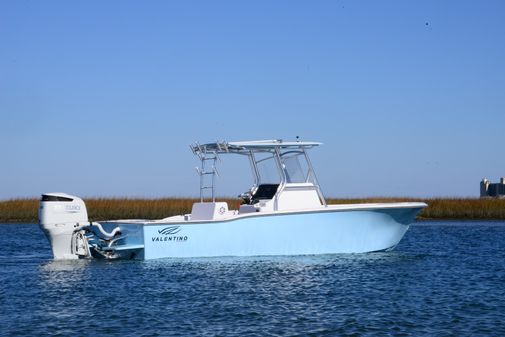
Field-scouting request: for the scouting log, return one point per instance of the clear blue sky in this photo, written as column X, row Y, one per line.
column 102, row 98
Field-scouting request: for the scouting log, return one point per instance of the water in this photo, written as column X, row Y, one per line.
column 445, row 278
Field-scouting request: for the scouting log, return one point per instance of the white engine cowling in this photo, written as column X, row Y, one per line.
column 60, row 215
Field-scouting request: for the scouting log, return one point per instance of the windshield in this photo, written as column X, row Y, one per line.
column 295, row 167
column 294, row 164
column 268, row 171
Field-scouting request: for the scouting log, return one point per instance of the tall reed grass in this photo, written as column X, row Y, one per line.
column 102, row 209
column 446, row 208
column 19, row 210
column 25, row 210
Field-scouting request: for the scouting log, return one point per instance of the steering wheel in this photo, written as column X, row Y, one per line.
column 246, row 198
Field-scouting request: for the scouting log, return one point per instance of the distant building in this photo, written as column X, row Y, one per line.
column 489, row 190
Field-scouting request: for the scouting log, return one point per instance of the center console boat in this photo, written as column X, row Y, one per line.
column 283, row 213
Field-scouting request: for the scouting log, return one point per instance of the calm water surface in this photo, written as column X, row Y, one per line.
column 445, row 278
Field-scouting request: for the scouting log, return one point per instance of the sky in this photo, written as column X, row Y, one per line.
column 102, row 98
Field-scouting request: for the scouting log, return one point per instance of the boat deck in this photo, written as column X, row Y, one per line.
column 235, row 215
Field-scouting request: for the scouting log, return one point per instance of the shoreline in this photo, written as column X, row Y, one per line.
column 99, row 209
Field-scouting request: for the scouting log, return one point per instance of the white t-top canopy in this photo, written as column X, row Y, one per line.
column 273, row 155
column 259, row 145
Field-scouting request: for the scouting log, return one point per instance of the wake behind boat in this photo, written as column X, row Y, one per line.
column 284, row 213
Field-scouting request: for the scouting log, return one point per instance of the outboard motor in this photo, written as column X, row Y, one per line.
column 62, row 217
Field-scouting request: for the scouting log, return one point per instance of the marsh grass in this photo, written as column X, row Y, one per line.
column 25, row 210
column 19, row 210
column 102, row 209
column 473, row 209
column 446, row 208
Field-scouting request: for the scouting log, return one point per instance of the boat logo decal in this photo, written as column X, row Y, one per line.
column 169, row 235
column 222, row 210
column 170, row 230
column 72, row 207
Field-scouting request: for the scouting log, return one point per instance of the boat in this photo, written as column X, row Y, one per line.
column 283, row 213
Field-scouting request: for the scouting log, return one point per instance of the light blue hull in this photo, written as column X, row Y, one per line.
column 319, row 232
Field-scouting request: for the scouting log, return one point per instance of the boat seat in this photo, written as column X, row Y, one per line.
column 264, row 192
column 243, row 209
